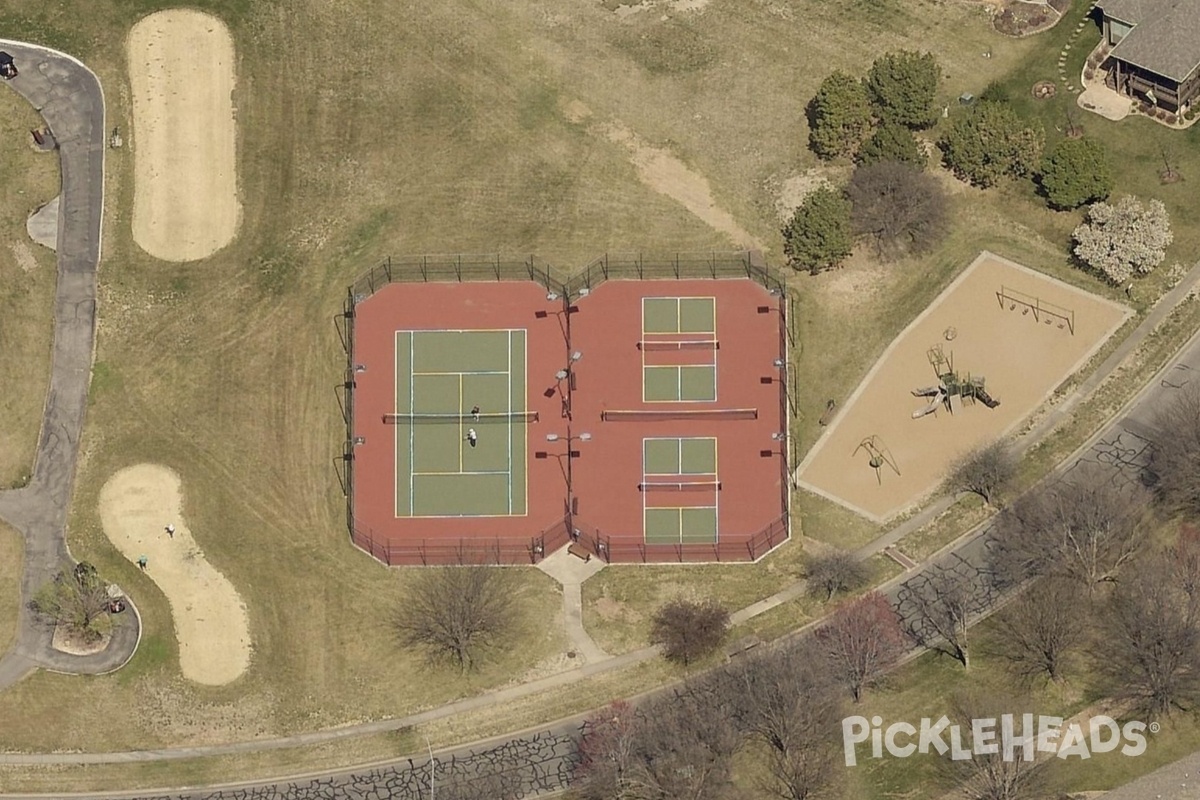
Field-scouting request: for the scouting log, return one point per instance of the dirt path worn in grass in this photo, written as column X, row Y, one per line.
column 666, row 174
column 181, row 72
column 211, row 624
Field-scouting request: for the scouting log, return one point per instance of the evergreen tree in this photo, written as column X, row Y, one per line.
column 902, row 88
column 892, row 142
column 1077, row 172
column 991, row 142
column 818, row 237
column 839, row 116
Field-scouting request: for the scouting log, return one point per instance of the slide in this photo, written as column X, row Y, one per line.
column 986, row 398
column 929, row 409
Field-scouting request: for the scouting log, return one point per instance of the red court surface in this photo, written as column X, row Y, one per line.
column 710, row 486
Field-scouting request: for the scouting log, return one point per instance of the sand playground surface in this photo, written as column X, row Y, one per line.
column 1022, row 351
column 211, row 624
column 181, row 72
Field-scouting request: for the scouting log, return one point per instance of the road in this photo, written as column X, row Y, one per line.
column 69, row 98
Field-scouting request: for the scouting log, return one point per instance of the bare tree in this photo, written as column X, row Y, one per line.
column 684, row 748
column 1175, row 458
column 1185, row 561
column 1042, row 629
column 898, row 206
column 862, row 640
column 937, row 605
column 1150, row 641
column 1084, row 530
column 606, row 754
column 456, row 612
column 993, row 776
column 835, row 571
column 76, row 599
column 689, row 630
column 986, row 471
column 786, row 701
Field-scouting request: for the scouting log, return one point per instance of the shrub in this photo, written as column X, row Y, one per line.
column 689, row 630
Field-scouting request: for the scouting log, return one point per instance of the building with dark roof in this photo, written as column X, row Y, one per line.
column 1155, row 55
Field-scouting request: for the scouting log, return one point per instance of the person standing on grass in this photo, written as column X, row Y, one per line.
column 472, row 436
column 475, row 413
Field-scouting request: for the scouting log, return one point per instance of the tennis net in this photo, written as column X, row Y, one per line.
column 675, row 346
column 680, row 486
column 656, row 414
column 499, row 416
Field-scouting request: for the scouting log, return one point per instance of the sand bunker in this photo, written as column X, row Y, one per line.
column 181, row 71
column 211, row 623
column 1023, row 354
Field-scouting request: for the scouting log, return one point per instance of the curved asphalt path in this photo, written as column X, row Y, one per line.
column 68, row 96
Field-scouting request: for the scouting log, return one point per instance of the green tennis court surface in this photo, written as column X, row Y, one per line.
column 677, row 383
column 679, row 315
column 440, row 377
column 673, row 469
column 663, row 319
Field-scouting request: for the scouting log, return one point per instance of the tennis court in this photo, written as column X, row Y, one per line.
column 442, row 470
column 679, row 349
column 679, row 490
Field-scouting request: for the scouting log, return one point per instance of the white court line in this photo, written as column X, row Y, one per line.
column 508, row 402
column 412, row 429
column 461, row 436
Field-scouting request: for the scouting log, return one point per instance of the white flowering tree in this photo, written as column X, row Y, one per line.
column 1120, row 239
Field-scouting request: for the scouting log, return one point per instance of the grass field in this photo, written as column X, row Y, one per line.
column 27, row 275
column 11, row 550
column 435, row 128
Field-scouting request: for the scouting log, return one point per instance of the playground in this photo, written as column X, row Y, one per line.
column 989, row 350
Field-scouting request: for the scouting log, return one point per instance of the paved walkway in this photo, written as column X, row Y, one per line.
column 69, row 98
column 570, row 572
